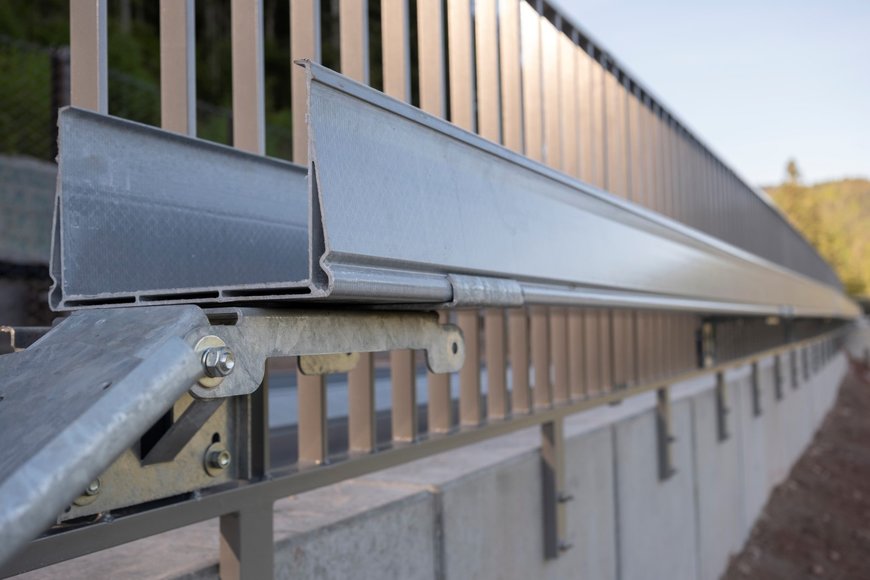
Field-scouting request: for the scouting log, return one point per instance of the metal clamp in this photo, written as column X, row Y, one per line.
column 253, row 335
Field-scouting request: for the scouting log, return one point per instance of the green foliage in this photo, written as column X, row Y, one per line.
column 25, row 103
column 835, row 218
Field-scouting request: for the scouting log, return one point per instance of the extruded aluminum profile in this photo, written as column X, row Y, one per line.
column 399, row 207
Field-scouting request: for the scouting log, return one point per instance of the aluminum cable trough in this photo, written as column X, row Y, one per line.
column 396, row 207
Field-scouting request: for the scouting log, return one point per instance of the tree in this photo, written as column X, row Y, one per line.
column 833, row 217
column 792, row 172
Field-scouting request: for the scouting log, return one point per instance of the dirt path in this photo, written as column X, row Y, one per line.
column 817, row 523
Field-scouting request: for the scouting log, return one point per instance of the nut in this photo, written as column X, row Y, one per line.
column 90, row 494
column 217, row 459
column 218, row 361
column 93, row 487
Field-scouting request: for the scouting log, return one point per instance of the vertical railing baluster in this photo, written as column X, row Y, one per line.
column 512, row 121
column 487, row 85
column 404, row 396
column 530, row 42
column 617, row 184
column 576, row 355
column 89, row 69
column 540, row 330
column 518, row 345
column 589, row 152
column 560, row 130
column 489, row 127
column 440, row 406
column 461, row 63
column 361, row 425
column 396, row 49
column 396, row 56
column 470, row 411
column 433, row 100
column 249, row 120
column 497, row 399
column 511, row 74
column 311, row 390
column 559, row 354
column 177, row 66
column 430, row 50
column 551, row 94
column 353, row 26
column 569, row 105
column 354, row 43
column 246, row 547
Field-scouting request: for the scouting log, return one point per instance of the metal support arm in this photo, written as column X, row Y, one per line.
column 87, row 391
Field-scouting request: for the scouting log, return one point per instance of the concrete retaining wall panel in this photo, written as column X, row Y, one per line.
column 718, row 484
column 357, row 530
column 591, row 514
column 656, row 519
column 754, row 456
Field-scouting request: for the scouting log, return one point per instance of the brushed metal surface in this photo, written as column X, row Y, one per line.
column 400, row 201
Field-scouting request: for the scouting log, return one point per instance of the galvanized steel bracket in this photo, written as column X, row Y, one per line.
column 255, row 335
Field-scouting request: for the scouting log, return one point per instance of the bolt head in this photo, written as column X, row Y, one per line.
column 93, row 487
column 218, row 361
column 219, row 459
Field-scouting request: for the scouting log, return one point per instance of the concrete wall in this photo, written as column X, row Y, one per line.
column 476, row 512
column 26, row 207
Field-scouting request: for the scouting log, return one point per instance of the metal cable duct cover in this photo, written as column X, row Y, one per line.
column 399, row 207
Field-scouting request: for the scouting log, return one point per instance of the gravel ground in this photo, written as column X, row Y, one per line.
column 817, row 523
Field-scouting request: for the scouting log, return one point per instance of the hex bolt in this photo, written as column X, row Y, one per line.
column 218, row 361
column 219, row 459
column 89, row 495
column 93, row 487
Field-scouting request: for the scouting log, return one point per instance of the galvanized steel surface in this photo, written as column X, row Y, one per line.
column 77, row 399
column 255, row 335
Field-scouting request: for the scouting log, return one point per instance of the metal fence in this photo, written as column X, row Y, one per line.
column 517, row 74
column 36, row 83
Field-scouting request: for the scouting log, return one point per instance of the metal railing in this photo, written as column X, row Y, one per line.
column 37, row 83
column 518, row 75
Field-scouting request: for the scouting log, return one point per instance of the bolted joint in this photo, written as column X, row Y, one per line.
column 90, row 494
column 217, row 459
column 93, row 487
column 218, row 361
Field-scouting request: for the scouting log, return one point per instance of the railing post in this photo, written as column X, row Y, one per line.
column 756, row 390
column 664, row 434
column 246, row 545
column 777, row 376
column 722, row 408
column 552, row 483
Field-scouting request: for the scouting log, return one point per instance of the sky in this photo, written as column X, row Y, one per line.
column 758, row 82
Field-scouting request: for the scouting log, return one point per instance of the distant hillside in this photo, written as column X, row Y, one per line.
column 835, row 218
